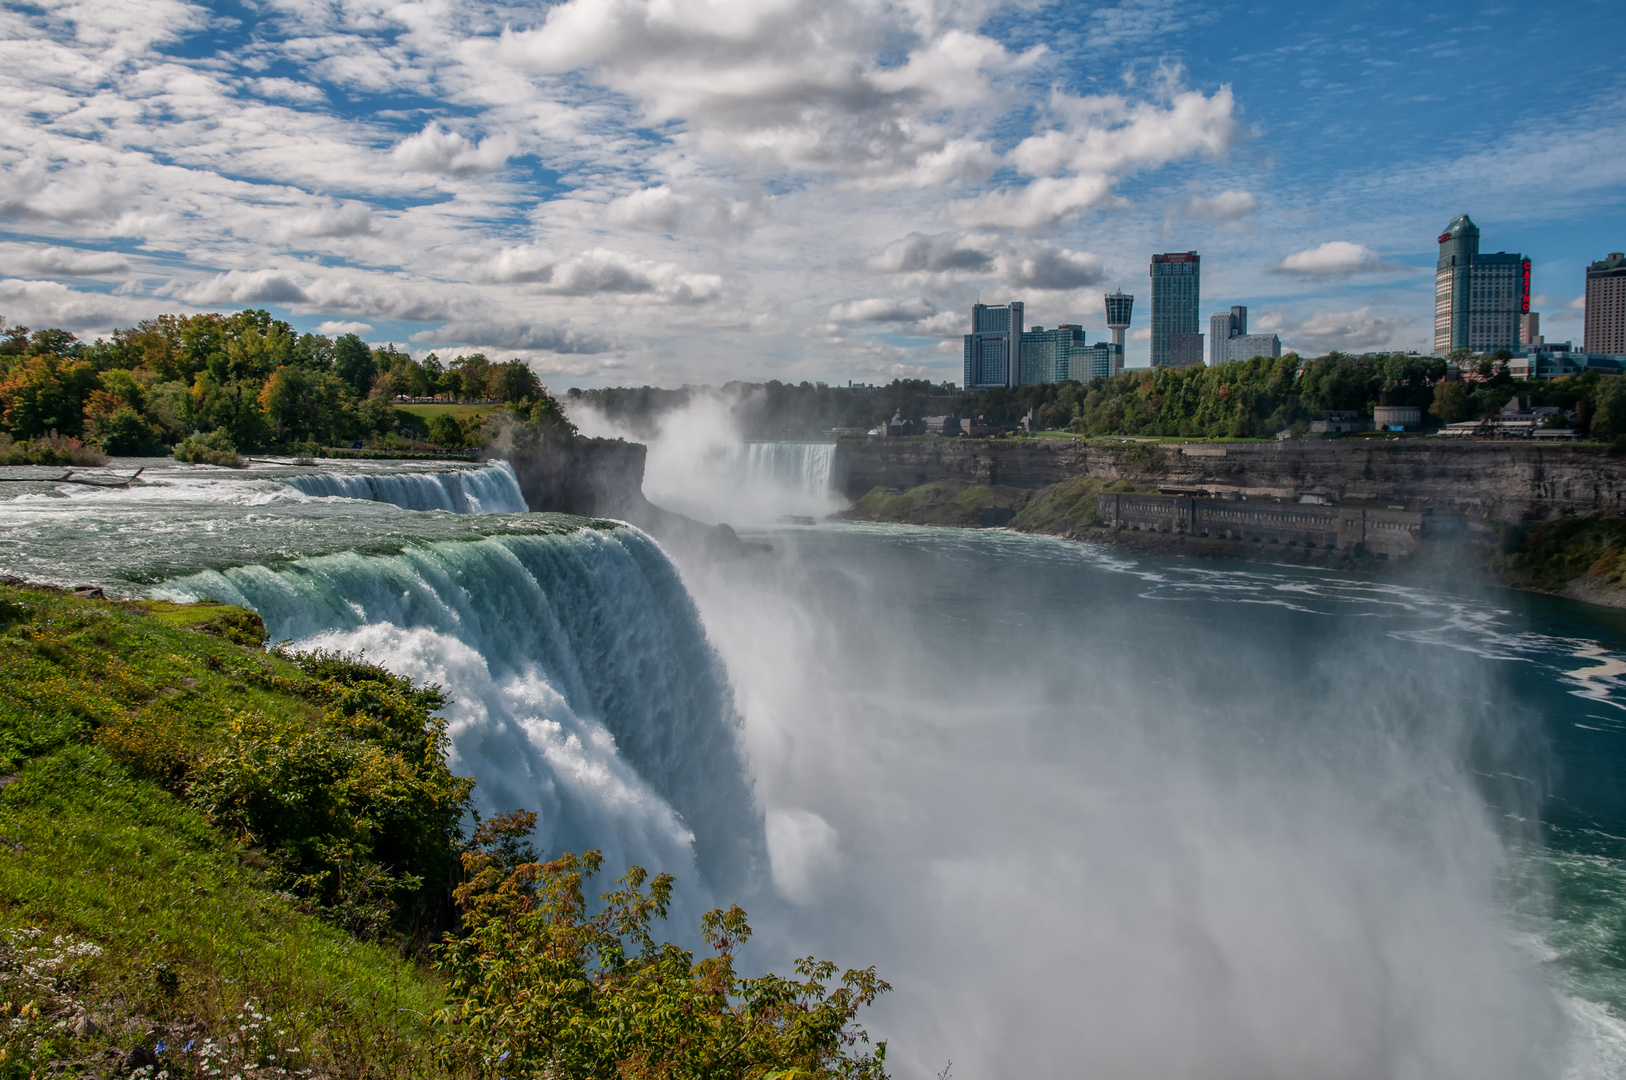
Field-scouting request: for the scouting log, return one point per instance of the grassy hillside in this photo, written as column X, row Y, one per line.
column 141, row 924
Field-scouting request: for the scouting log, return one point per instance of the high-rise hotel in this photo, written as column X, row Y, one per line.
column 993, row 349
column 1479, row 299
column 1605, row 327
column 1176, row 288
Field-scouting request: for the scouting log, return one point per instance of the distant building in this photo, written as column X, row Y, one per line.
column 1102, row 360
column 1397, row 417
column 1530, row 329
column 1047, row 354
column 1176, row 293
column 1228, row 338
column 1606, row 305
column 993, row 349
column 1478, row 298
column 1185, row 350
column 1558, row 359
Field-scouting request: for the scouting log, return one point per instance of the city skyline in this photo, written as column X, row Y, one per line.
column 663, row 193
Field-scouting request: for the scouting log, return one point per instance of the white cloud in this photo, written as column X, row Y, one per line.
column 66, row 262
column 337, row 328
column 436, row 150
column 503, row 334
column 600, row 271
column 1225, row 206
column 1048, row 267
column 1357, row 330
column 336, row 220
column 880, row 309
column 1335, row 258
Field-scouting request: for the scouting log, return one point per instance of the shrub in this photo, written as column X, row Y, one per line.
column 215, row 448
column 539, row 987
column 446, row 431
column 52, row 449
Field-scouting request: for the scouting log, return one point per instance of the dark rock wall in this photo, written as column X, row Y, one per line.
column 1492, row 481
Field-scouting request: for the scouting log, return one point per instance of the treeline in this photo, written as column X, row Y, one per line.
column 1255, row 398
column 777, row 410
column 218, row 384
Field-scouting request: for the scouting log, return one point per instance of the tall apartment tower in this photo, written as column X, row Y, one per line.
column 1478, row 298
column 1606, row 306
column 993, row 349
column 1176, row 290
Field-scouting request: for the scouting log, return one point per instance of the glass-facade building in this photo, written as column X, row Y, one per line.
column 993, row 349
column 1479, row 299
column 1176, row 296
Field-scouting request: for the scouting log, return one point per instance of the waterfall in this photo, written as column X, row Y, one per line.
column 723, row 479
column 800, row 470
column 584, row 686
column 490, row 490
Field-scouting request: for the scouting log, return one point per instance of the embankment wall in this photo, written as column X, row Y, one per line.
column 1484, row 480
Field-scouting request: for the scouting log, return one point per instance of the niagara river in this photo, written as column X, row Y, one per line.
column 1089, row 814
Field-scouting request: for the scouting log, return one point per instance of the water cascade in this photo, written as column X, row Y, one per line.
column 491, row 490
column 584, row 686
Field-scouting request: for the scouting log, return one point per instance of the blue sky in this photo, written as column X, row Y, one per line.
column 669, row 191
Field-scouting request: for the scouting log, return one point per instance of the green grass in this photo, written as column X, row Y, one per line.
column 189, row 924
column 465, row 414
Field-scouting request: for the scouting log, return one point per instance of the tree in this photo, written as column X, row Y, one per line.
column 44, row 394
column 539, row 987
column 513, row 382
column 353, row 362
column 446, row 431
column 1450, row 401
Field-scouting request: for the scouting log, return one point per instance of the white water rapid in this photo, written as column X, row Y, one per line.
column 583, row 684
column 491, row 490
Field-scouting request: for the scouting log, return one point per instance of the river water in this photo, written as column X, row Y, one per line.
column 1090, row 814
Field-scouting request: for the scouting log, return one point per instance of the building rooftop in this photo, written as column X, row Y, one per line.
column 1461, row 225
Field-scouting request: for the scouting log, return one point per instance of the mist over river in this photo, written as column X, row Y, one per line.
column 1090, row 815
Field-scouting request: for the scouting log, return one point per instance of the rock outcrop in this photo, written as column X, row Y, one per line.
column 1482, row 480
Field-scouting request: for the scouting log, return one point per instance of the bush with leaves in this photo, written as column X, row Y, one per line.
column 540, row 985
column 215, row 448
column 355, row 808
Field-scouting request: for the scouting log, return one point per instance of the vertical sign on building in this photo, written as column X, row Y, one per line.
column 1524, row 297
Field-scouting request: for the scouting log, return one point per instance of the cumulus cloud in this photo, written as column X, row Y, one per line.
column 508, row 334
column 1099, row 140
column 798, row 83
column 51, row 303
column 942, row 253
column 66, row 262
column 336, row 220
column 1333, row 259
column 600, row 271
column 1362, row 329
column 1048, row 267
column 880, row 309
column 246, row 287
column 336, row 328
column 436, row 150
column 663, row 208
column 1226, row 206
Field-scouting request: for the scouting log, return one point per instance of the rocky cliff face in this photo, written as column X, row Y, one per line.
column 1484, row 480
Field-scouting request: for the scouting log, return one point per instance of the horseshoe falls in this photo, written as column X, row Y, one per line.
column 1089, row 814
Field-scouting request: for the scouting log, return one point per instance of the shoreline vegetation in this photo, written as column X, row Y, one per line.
column 218, row 859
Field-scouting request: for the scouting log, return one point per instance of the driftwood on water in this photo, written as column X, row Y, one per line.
column 69, row 478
